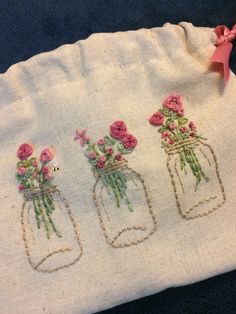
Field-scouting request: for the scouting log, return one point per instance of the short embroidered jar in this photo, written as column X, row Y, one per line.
column 120, row 194
column 50, row 234
column 191, row 162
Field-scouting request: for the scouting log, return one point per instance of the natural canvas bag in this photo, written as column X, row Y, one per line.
column 89, row 85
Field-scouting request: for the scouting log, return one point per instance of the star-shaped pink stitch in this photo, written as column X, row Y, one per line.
column 81, row 136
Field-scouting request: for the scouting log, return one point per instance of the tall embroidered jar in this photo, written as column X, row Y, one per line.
column 191, row 161
column 50, row 233
column 120, row 194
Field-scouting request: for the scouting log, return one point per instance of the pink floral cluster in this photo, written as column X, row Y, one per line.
column 170, row 118
column 172, row 102
column 28, row 170
column 109, row 148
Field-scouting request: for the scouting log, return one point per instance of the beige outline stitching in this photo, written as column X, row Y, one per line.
column 185, row 216
column 111, row 242
column 27, row 250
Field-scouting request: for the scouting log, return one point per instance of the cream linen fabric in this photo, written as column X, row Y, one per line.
column 90, row 84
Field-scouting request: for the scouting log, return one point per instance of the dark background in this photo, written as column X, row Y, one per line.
column 28, row 27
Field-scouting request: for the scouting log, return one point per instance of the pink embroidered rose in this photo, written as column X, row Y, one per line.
column 181, row 112
column 46, row 155
column 172, row 126
column 109, row 151
column 192, row 126
column 21, row 171
column 101, row 142
column 24, row 151
column 118, row 130
column 173, row 102
column 157, row 118
column 21, row 187
column 129, row 141
column 92, row 155
column 119, row 157
column 45, row 170
column 183, row 129
column 34, row 163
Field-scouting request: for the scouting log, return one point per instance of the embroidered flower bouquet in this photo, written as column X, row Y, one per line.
column 36, row 183
column 120, row 194
column 191, row 162
column 46, row 219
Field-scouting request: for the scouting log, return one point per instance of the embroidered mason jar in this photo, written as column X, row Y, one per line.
column 50, row 233
column 120, row 194
column 191, row 162
column 123, row 205
column 195, row 178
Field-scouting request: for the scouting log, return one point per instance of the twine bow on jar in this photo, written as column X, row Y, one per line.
column 224, row 45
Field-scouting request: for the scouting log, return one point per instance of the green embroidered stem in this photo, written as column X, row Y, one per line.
column 44, row 204
column 43, row 216
column 117, row 182
column 37, row 213
column 187, row 155
column 49, row 210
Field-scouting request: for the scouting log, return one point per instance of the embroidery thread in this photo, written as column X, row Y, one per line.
column 120, row 193
column 191, row 162
column 44, row 212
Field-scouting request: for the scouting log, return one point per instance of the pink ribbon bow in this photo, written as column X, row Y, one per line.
column 81, row 136
column 224, row 46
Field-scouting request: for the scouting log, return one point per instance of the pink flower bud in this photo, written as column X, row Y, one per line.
column 119, row 157
column 171, row 141
column 192, row 125
column 165, row 135
column 100, row 164
column 181, row 112
column 48, row 176
column 183, row 129
column 172, row 126
column 101, row 141
column 34, row 163
column 45, row 170
column 21, row 187
column 102, row 159
column 109, row 151
column 34, row 174
column 21, row 171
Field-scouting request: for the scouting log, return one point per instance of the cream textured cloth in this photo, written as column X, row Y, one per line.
column 90, row 84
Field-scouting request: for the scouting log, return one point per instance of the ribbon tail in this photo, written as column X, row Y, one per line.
column 221, row 56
